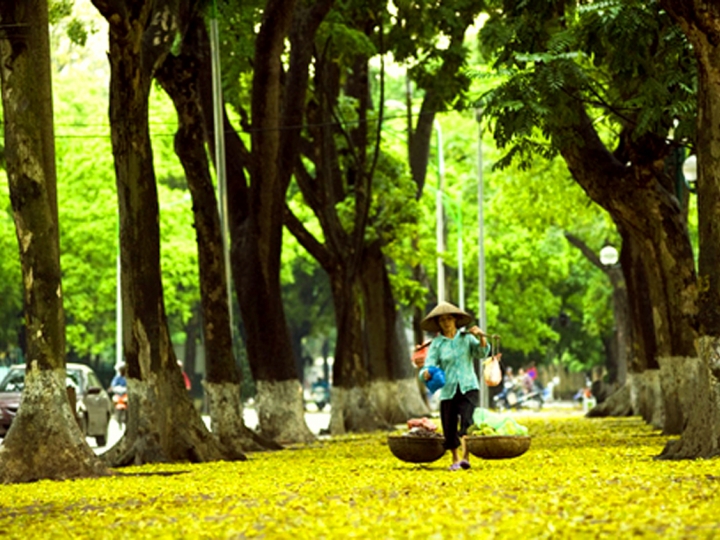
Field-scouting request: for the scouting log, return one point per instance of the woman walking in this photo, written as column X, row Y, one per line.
column 453, row 351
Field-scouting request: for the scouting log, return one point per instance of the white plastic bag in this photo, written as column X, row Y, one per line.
column 491, row 370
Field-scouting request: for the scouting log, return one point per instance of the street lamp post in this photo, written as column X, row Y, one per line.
column 484, row 397
column 118, row 306
column 461, row 273
column 219, row 138
column 440, row 228
column 439, row 218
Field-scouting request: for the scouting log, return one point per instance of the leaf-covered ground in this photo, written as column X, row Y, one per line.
column 581, row 478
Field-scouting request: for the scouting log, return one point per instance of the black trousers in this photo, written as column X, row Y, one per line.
column 458, row 410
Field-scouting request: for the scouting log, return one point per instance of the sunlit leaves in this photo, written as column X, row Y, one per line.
column 625, row 61
column 10, row 276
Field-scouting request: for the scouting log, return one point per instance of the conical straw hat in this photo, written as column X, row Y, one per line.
column 430, row 322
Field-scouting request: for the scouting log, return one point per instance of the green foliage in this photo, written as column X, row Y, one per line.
column 59, row 9
column 603, row 55
column 425, row 35
column 532, row 273
column 237, row 25
column 343, row 42
column 11, row 300
column 580, row 478
column 66, row 22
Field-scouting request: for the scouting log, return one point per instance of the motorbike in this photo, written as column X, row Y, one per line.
column 514, row 396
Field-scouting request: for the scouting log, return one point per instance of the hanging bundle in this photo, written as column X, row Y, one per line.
column 492, row 373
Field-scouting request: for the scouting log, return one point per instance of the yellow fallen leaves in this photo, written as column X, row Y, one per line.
column 581, row 478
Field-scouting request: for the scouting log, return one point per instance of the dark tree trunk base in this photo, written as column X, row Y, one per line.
column 45, row 441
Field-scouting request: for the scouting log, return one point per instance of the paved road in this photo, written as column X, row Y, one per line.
column 315, row 421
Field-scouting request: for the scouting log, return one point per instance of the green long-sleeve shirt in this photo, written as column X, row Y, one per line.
column 455, row 357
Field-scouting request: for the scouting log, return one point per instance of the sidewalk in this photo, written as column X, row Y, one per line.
column 315, row 420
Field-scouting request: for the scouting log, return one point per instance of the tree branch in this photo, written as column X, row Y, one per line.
column 307, row 240
column 589, row 254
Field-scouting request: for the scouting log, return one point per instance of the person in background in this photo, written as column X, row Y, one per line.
column 118, row 389
column 526, row 382
column 118, row 385
column 508, row 383
column 532, row 372
column 453, row 351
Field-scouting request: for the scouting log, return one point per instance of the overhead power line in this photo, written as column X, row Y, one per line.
column 280, row 128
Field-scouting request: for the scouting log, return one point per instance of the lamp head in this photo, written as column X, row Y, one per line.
column 609, row 255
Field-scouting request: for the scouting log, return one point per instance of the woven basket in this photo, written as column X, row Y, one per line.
column 416, row 449
column 498, row 446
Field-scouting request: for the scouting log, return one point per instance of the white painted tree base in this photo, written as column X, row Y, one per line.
column 281, row 412
column 398, row 401
column 45, row 441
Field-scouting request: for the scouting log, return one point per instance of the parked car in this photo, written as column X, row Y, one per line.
column 93, row 406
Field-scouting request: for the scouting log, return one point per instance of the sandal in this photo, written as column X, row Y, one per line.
column 455, row 466
column 465, row 464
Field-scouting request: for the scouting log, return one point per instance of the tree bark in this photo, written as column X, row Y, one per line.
column 178, row 76
column 623, row 344
column 393, row 385
column 256, row 210
column 647, row 214
column 617, row 404
column 700, row 21
column 656, row 258
column 352, row 409
column 44, row 440
column 162, row 424
column 343, row 254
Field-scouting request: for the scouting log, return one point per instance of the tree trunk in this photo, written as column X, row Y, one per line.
column 677, row 379
column 44, row 440
column 256, row 211
column 178, row 76
column 617, row 404
column 342, row 254
column 649, row 218
column 657, row 257
column 622, row 344
column 352, row 409
column 623, row 341
column 393, row 385
column 700, row 21
column 162, row 424
column 648, row 397
column 698, row 388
